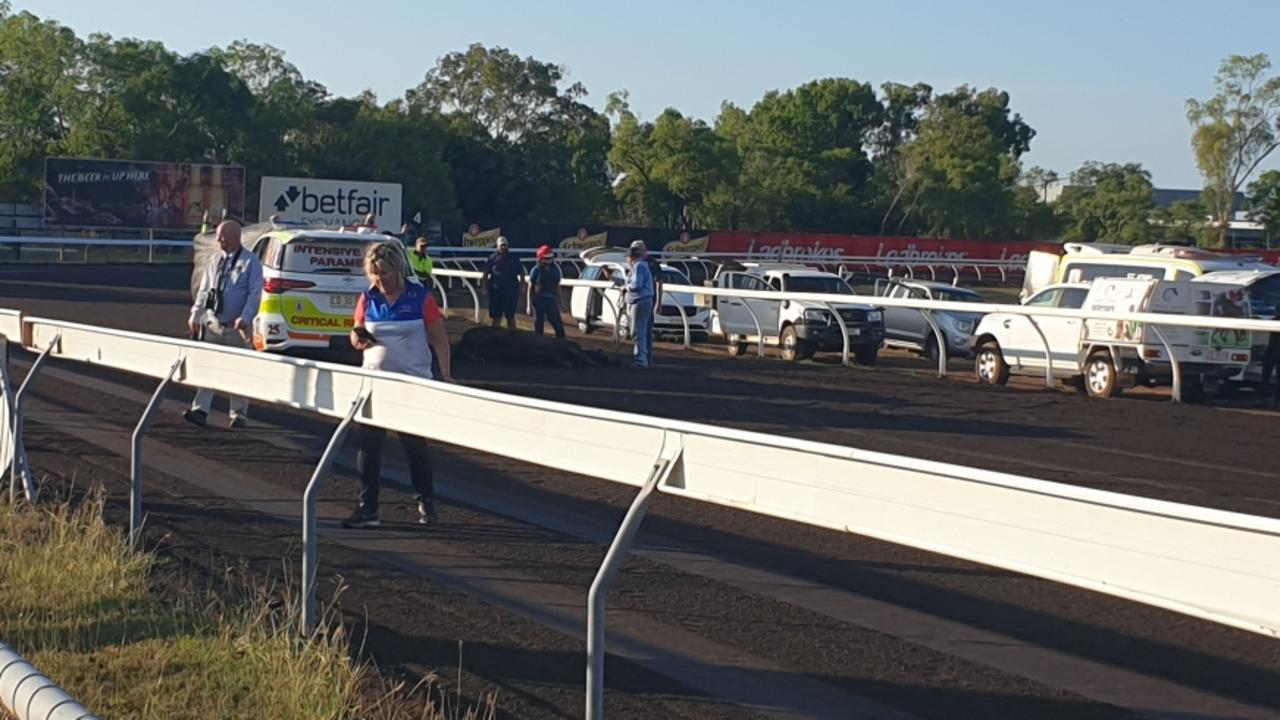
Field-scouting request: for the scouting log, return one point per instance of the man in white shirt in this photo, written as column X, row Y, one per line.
column 223, row 313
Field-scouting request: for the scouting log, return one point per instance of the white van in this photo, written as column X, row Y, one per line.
column 1109, row 354
column 1083, row 262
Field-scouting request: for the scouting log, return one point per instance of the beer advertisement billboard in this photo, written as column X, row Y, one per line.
column 133, row 194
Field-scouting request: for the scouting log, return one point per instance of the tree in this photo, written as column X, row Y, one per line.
column 903, row 107
column 507, row 95
column 957, row 175
column 1108, row 202
column 1033, row 217
column 1264, row 201
column 1235, row 130
column 672, row 166
column 523, row 146
column 40, row 71
column 1040, row 180
column 1184, row 221
column 960, row 175
column 802, row 160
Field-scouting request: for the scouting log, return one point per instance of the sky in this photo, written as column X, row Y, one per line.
column 1104, row 81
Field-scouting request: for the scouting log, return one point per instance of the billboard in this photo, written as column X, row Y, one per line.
column 309, row 201
column 80, row 192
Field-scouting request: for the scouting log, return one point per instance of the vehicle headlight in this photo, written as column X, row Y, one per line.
column 874, row 316
column 963, row 326
column 817, row 316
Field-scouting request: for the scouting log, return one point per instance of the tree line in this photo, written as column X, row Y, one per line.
column 489, row 134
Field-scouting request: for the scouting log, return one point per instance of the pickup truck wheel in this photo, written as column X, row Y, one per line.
column 867, row 355
column 1100, row 375
column 931, row 348
column 1193, row 392
column 989, row 365
column 792, row 347
column 737, row 348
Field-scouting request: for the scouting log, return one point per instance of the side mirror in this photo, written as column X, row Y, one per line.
column 786, row 304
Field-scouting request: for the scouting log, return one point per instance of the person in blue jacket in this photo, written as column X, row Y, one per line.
column 640, row 292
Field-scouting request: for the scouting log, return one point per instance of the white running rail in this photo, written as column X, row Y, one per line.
column 1210, row 564
column 29, row 694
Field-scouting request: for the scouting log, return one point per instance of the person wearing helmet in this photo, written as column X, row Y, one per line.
column 640, row 293
column 544, row 279
column 503, row 273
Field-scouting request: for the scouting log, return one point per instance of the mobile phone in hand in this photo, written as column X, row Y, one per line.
column 365, row 335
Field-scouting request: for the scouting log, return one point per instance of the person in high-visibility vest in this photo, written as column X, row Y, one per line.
column 419, row 260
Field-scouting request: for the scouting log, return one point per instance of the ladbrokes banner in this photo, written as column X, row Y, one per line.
column 775, row 246
column 820, row 247
column 139, row 195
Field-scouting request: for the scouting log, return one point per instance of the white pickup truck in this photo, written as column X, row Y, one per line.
column 1106, row 355
column 798, row 329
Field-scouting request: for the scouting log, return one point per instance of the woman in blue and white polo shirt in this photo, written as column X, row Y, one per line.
column 397, row 326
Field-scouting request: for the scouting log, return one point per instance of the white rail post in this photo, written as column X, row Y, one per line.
column 1048, row 352
column 475, row 297
column 684, row 319
column 310, row 499
column 29, row 694
column 844, row 333
column 6, row 395
column 759, row 330
column 18, row 471
column 444, row 295
column 940, row 340
column 663, row 465
column 1173, row 363
column 135, row 457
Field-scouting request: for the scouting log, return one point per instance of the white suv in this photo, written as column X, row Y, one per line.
column 1104, row 354
column 799, row 329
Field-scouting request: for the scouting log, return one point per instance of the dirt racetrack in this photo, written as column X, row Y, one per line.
column 909, row 632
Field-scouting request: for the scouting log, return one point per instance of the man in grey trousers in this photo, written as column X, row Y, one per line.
column 228, row 299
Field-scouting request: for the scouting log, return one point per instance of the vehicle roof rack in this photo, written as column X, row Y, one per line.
column 1096, row 249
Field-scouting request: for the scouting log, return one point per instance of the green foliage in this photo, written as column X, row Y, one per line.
column 1264, row 201
column 1186, row 221
column 40, row 69
column 490, row 134
column 1235, row 130
column 1108, row 202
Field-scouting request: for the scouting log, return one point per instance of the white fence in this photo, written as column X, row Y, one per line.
column 470, row 258
column 1211, row 564
column 927, row 307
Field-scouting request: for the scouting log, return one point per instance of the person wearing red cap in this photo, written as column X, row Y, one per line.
column 545, row 281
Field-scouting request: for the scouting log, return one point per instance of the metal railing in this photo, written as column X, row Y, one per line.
column 1211, row 564
column 29, row 694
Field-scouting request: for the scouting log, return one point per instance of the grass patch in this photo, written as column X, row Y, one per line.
column 128, row 638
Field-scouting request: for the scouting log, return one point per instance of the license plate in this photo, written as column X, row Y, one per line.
column 342, row 302
column 855, row 331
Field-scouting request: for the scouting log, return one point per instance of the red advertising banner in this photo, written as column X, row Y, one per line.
column 818, row 247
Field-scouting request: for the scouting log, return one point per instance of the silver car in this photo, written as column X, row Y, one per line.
column 907, row 328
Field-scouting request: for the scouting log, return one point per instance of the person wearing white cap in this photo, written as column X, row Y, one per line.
column 503, row 273
column 640, row 291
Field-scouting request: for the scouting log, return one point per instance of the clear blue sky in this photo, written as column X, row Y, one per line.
column 1097, row 80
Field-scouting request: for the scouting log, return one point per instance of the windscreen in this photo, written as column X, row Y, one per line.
column 674, row 277
column 1264, row 297
column 953, row 295
column 818, row 284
